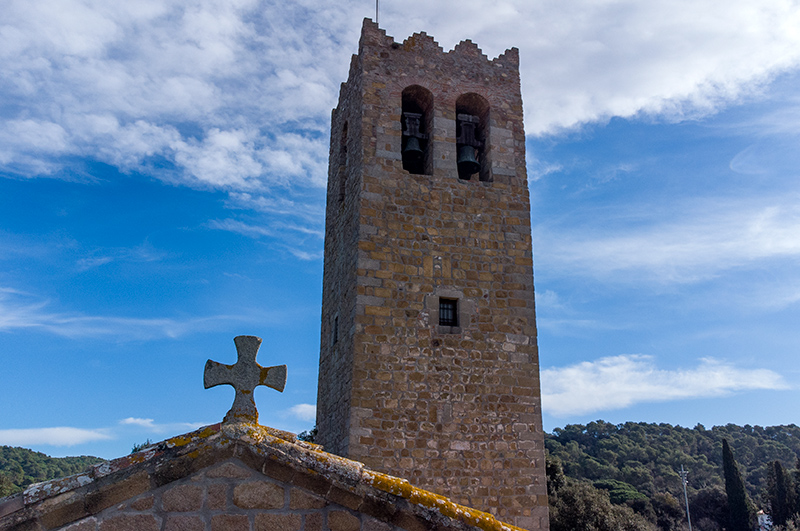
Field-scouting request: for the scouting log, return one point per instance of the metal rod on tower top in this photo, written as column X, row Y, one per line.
column 376, row 11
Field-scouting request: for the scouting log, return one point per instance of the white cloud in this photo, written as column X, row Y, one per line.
column 153, row 427
column 306, row 412
column 141, row 253
column 84, row 264
column 538, row 169
column 70, row 436
column 586, row 60
column 20, row 310
column 239, row 227
column 705, row 240
column 211, row 88
column 548, row 299
column 621, row 381
column 145, row 423
column 237, row 94
column 307, row 210
column 304, row 255
column 60, row 436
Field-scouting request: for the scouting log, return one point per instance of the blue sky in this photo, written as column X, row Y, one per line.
column 162, row 173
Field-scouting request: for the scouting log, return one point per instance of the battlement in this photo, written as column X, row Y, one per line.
column 373, row 38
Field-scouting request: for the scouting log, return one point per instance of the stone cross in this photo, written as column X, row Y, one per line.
column 244, row 376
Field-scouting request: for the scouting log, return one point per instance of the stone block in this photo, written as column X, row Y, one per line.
column 130, row 522
column 313, row 483
column 11, row 504
column 259, row 495
column 373, row 524
column 184, row 523
column 229, row 470
column 111, row 493
column 182, row 498
column 62, row 509
column 25, row 525
column 343, row 521
column 278, row 522
column 142, row 504
column 87, row 524
column 344, row 498
column 312, row 522
column 409, row 521
column 216, row 496
column 230, row 522
column 299, row 499
column 275, row 470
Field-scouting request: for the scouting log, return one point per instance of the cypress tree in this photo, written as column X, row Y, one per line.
column 795, row 510
column 738, row 504
column 779, row 490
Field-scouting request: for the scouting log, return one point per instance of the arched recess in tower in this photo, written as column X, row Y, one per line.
column 472, row 134
column 417, row 121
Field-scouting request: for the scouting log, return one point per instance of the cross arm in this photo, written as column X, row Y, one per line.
column 217, row 374
column 274, row 377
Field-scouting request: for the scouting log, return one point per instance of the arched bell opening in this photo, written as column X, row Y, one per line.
column 472, row 137
column 417, row 122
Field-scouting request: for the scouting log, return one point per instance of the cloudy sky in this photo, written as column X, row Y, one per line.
column 162, row 173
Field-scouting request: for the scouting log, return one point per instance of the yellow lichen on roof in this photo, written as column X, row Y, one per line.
column 390, row 484
column 424, row 498
column 183, row 440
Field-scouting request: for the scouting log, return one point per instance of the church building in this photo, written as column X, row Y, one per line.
column 428, row 364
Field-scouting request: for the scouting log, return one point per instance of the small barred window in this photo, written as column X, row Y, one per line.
column 448, row 312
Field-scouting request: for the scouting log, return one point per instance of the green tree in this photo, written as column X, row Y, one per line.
column 709, row 508
column 796, row 496
column 779, row 494
column 309, row 436
column 7, row 487
column 619, row 492
column 738, row 504
column 138, row 447
column 555, row 475
column 578, row 506
column 669, row 512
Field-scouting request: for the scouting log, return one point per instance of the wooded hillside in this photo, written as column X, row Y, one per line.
column 638, row 465
column 20, row 467
column 648, row 456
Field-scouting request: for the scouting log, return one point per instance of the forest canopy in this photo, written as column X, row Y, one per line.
column 636, row 466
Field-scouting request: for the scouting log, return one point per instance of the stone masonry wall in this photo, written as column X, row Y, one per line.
column 230, row 497
column 339, row 276
column 455, row 410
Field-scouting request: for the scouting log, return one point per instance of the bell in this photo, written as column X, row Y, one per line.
column 412, row 151
column 467, row 164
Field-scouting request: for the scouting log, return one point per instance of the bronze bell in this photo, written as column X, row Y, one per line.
column 412, row 151
column 467, row 163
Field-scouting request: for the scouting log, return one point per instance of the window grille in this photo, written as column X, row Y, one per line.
column 448, row 312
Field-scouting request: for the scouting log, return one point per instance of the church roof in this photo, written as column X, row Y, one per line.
column 276, row 454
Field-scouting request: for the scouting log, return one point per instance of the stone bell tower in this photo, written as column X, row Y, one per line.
column 428, row 365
